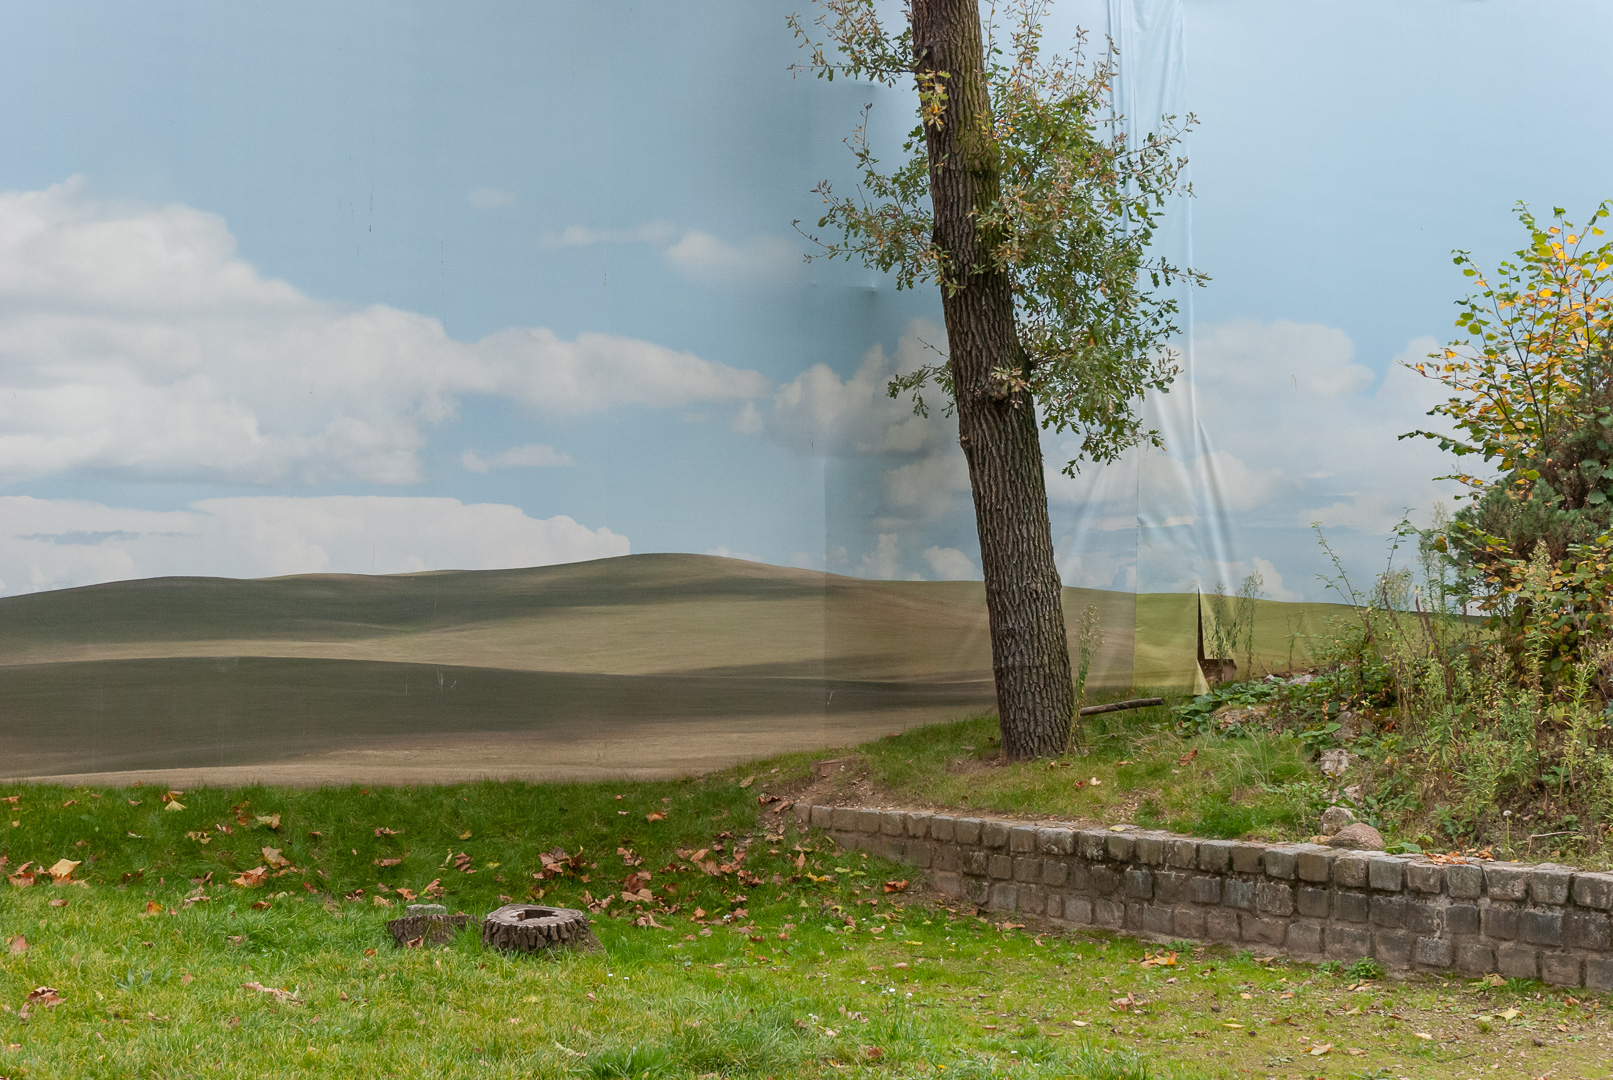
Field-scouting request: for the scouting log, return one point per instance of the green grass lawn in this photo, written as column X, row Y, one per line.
column 794, row 960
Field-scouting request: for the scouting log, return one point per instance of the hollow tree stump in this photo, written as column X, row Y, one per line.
column 426, row 924
column 534, row 928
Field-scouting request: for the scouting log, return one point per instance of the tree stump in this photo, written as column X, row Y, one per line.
column 426, row 924
column 533, row 928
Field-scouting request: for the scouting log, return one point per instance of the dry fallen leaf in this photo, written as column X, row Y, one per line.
column 250, row 879
column 1318, row 1051
column 465, row 835
column 18, row 946
column 387, row 862
column 153, row 908
column 274, row 858
column 44, row 995
column 269, row 821
column 748, row 781
column 174, row 804
column 896, row 886
column 384, row 831
column 62, row 870
column 655, row 815
column 59, row 902
column 283, row 995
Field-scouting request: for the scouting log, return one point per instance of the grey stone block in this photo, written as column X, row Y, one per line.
column 918, row 854
column 1386, row 874
column 918, row 825
column 1274, row 897
column 1541, row 927
column 977, row 891
column 1170, row 886
column 947, row 882
column 1238, row 893
column 1054, row 841
column 1204, row 889
column 1182, row 853
column 942, row 828
column 1159, row 919
column 1189, row 923
column 1314, row 863
column 977, row 863
column 889, row 847
column 1433, row 952
column 1221, row 925
column 1599, row 973
column 1000, row 867
column 1148, row 850
column 1120, row 847
column 1506, row 881
column 1080, row 879
column 1393, row 947
column 1215, row 855
column 1462, row 919
column 1077, row 909
column 1139, row 884
column 1134, row 915
column 1347, row 942
column 1248, row 858
column 1464, row 882
column 1561, row 969
column 1314, row 903
column 868, row 821
column 1027, row 869
column 1425, row 916
column 1517, row 961
column 1593, row 891
column 1304, row 938
column 1474, row 958
column 1352, row 906
column 1351, row 871
column 1265, row 931
column 1280, row 862
column 947, row 857
column 822, row 816
column 1586, row 930
column 1055, row 872
column 1108, row 913
column 1499, row 921
column 1425, row 877
column 967, row 830
column 1092, row 844
column 1022, row 839
column 893, row 823
column 1105, row 880
column 843, row 818
column 802, row 812
column 1055, row 905
column 1032, row 900
column 1548, row 884
column 1004, row 896
column 1388, row 911
column 994, row 834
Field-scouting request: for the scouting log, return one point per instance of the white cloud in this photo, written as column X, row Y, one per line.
column 1272, row 581
column 950, row 564
column 490, row 198
column 695, row 254
column 530, row 456
column 723, row 553
column 135, row 342
column 59, row 543
column 882, row 562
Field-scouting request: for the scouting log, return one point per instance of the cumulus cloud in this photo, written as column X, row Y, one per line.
column 134, row 341
column 59, row 543
column 490, row 198
column 695, row 254
column 530, row 456
column 950, row 564
column 883, row 562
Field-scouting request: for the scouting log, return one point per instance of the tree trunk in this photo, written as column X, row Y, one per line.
column 997, row 424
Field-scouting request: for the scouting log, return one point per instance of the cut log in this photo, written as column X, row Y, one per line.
column 1117, row 706
column 534, row 928
column 426, row 924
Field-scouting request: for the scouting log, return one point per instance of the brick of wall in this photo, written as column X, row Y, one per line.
column 1303, row 900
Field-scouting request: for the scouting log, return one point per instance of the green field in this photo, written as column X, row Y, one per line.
column 646, row 665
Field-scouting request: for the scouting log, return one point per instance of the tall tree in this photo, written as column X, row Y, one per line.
column 1022, row 200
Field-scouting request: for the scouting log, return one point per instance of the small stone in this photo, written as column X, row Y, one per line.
column 1353, row 793
column 1357, row 837
column 1335, row 762
column 1335, row 818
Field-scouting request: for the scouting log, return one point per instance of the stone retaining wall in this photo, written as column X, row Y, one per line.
column 1302, row 900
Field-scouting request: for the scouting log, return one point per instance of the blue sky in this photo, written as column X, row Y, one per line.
column 399, row 286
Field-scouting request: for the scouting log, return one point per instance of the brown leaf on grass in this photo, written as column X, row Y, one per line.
column 648, row 920
column 250, row 879
column 748, row 781
column 174, row 805
column 268, row 821
column 59, row 902
column 434, row 890
column 896, row 886
column 47, row 996
column 260, row 905
column 462, row 863
column 274, row 858
column 655, row 815
column 18, row 946
column 153, row 907
column 387, row 862
column 628, row 858
column 1160, row 959
column 384, row 831
column 281, row 995
column 407, row 894
column 24, row 877
column 62, row 870
column 380, row 901
column 465, row 835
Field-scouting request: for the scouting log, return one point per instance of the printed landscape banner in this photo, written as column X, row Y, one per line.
column 407, row 391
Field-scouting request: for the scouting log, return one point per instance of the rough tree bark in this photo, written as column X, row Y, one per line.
column 997, row 424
